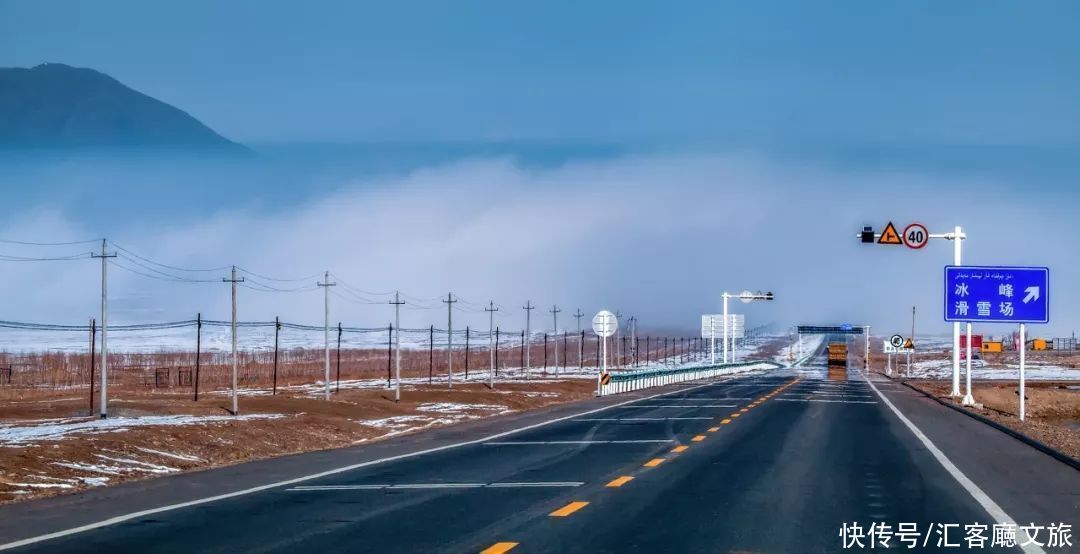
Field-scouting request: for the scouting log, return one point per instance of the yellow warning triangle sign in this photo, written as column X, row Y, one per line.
column 889, row 235
column 909, row 344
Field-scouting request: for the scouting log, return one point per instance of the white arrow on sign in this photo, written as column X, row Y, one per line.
column 1032, row 294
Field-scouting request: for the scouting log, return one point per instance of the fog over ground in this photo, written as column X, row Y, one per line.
column 659, row 236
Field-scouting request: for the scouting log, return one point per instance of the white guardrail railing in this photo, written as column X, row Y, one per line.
column 626, row 381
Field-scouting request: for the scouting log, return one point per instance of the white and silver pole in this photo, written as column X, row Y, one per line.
column 958, row 236
column 969, row 400
column 1023, row 350
column 725, row 328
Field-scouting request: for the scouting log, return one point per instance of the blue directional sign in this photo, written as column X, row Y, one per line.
column 997, row 294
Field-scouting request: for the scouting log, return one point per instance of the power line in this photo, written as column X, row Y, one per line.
column 69, row 243
column 167, row 266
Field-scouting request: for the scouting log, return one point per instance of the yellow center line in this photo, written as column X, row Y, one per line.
column 620, row 481
column 654, row 462
column 499, row 548
column 725, row 421
column 743, row 411
column 568, row 509
column 736, row 414
column 713, row 429
column 698, row 438
column 680, row 448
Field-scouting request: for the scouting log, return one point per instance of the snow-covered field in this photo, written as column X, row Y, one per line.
column 980, row 370
column 25, row 433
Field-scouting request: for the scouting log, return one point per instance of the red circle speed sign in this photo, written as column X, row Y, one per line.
column 915, row 236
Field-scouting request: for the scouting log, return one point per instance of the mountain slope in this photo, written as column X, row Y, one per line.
column 54, row 106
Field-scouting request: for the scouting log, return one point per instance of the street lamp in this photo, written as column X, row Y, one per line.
column 746, row 297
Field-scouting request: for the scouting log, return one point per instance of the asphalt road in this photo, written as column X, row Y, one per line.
column 772, row 462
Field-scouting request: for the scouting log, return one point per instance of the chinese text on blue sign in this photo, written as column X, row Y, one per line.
column 997, row 294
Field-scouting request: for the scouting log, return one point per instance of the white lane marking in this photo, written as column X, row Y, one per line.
column 997, row 514
column 527, row 443
column 685, row 406
column 710, row 399
column 643, row 418
column 829, row 395
column 825, row 400
column 170, row 507
column 424, row 486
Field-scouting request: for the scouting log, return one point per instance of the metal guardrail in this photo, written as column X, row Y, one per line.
column 626, row 381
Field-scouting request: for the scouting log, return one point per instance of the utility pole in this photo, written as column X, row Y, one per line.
column 326, row 284
column 449, row 338
column 104, row 326
column 528, row 307
column 581, row 342
column 555, row 320
column 397, row 345
column 491, row 309
column 233, row 281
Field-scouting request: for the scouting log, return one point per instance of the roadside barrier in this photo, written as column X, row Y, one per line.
column 617, row 382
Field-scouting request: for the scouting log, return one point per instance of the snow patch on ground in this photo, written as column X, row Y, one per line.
column 447, row 413
column 183, row 457
column 454, row 407
column 19, row 435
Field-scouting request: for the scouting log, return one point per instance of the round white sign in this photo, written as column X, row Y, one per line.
column 746, row 296
column 604, row 323
column 897, row 341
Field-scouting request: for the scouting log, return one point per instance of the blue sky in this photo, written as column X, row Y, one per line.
column 479, row 146
column 910, row 74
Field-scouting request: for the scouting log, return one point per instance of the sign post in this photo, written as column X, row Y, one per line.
column 915, row 237
column 604, row 324
column 996, row 294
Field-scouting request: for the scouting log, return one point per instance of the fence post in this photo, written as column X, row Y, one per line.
column 581, row 351
column 565, row 361
column 198, row 351
column 466, row 352
column 93, row 354
column 431, row 356
column 338, row 386
column 277, row 331
column 545, row 353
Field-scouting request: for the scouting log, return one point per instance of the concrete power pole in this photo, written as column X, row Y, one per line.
column 581, row 342
column 326, row 284
column 104, row 325
column 491, row 309
column 233, row 281
column 555, row 320
column 397, row 345
column 528, row 307
column 449, row 337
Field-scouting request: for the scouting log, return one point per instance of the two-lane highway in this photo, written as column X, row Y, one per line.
column 772, row 462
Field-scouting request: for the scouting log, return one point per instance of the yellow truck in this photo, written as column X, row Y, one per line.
column 837, row 354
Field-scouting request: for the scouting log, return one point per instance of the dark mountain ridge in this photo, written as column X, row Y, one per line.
column 55, row 106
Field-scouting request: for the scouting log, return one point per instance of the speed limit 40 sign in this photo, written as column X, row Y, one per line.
column 915, row 236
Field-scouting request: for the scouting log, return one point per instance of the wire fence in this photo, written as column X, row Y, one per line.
column 193, row 356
